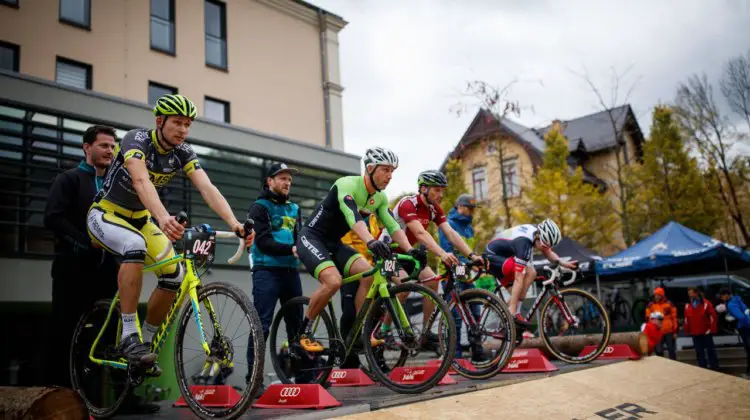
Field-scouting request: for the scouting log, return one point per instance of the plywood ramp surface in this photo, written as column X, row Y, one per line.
column 651, row 388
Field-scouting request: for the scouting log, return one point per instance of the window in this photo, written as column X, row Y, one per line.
column 162, row 26
column 11, row 3
column 156, row 90
column 479, row 182
column 216, row 109
column 76, row 13
column 8, row 56
column 216, row 34
column 72, row 73
column 512, row 188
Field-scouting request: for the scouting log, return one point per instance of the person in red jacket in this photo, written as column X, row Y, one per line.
column 700, row 324
column 653, row 330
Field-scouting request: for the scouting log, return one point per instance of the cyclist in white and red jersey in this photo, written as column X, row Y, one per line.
column 415, row 213
column 509, row 258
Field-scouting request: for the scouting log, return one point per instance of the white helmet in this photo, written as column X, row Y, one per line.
column 380, row 156
column 549, row 233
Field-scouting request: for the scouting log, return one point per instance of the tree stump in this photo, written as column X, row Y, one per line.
column 21, row 403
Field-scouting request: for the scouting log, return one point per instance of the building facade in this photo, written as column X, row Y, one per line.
column 592, row 143
column 268, row 65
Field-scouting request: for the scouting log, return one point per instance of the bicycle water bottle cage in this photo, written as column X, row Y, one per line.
column 200, row 245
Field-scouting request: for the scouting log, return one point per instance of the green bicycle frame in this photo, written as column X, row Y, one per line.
column 379, row 287
column 189, row 287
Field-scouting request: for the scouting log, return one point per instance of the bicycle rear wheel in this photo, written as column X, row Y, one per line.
column 594, row 330
column 402, row 348
column 292, row 364
column 235, row 338
column 491, row 339
column 103, row 388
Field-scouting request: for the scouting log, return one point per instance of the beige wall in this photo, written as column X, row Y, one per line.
column 274, row 82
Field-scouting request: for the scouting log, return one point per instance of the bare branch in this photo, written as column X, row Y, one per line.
column 735, row 85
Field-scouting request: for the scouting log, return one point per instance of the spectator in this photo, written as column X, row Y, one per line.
column 653, row 330
column 736, row 308
column 349, row 290
column 273, row 256
column 81, row 273
column 701, row 324
column 669, row 326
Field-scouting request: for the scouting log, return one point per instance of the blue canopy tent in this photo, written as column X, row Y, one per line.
column 674, row 250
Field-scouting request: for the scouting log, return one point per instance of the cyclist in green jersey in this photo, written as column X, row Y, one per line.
column 319, row 244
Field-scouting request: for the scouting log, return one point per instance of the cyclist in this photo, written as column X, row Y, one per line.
column 119, row 220
column 414, row 213
column 509, row 258
column 319, row 244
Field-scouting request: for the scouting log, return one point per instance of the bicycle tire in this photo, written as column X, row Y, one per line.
column 492, row 368
column 259, row 353
column 76, row 347
column 605, row 336
column 274, row 334
column 372, row 321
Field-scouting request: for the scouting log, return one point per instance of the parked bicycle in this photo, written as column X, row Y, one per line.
column 103, row 377
column 400, row 348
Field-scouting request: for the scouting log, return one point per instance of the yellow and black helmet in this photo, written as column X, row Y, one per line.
column 175, row 105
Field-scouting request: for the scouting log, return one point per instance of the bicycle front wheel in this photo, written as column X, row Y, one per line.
column 575, row 326
column 402, row 346
column 232, row 329
column 491, row 337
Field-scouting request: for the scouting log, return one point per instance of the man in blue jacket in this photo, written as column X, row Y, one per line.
column 460, row 218
column 273, row 257
column 737, row 309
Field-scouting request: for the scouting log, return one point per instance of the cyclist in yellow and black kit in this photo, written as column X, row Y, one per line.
column 120, row 218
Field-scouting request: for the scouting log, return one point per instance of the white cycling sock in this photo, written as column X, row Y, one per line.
column 148, row 332
column 129, row 325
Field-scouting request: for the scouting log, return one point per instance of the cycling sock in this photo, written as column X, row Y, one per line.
column 129, row 326
column 148, row 331
column 306, row 326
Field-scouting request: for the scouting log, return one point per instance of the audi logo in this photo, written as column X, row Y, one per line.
column 290, row 391
column 609, row 350
column 338, row 374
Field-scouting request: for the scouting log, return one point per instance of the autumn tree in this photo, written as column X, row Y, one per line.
column 669, row 186
column 559, row 192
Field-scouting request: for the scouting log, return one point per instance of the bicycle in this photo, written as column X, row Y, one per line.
column 556, row 325
column 618, row 308
column 465, row 306
column 294, row 365
column 199, row 251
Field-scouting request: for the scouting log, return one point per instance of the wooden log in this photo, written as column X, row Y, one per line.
column 23, row 403
column 575, row 344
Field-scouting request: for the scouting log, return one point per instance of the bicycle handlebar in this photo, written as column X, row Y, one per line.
column 241, row 246
column 556, row 271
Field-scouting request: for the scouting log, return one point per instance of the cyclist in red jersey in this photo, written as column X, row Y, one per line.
column 415, row 213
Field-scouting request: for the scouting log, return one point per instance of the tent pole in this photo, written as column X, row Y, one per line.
column 726, row 268
column 598, row 289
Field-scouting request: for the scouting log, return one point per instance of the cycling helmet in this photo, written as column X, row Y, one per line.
column 432, row 178
column 175, row 105
column 549, row 233
column 380, row 156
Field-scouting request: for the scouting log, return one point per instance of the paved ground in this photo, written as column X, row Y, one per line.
column 365, row 399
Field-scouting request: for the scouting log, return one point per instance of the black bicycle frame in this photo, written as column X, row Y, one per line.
column 554, row 294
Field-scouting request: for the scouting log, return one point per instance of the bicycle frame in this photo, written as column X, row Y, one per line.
column 189, row 287
column 554, row 295
column 463, row 312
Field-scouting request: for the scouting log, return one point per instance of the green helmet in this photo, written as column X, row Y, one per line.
column 175, row 105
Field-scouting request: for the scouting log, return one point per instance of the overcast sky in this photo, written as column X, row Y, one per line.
column 404, row 64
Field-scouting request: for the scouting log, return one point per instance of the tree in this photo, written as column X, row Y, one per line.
column 715, row 138
column 621, row 188
column 454, row 172
column 735, row 85
column 669, row 186
column 558, row 192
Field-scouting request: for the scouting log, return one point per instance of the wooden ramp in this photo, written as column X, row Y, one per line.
column 651, row 388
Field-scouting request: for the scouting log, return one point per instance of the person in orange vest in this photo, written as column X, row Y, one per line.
column 669, row 325
column 349, row 291
column 653, row 330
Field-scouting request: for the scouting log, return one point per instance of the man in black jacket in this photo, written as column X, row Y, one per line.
column 81, row 274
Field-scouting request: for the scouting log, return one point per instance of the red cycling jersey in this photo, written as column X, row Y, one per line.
column 414, row 207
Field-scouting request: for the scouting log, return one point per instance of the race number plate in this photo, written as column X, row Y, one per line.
column 459, row 272
column 200, row 246
column 389, row 267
